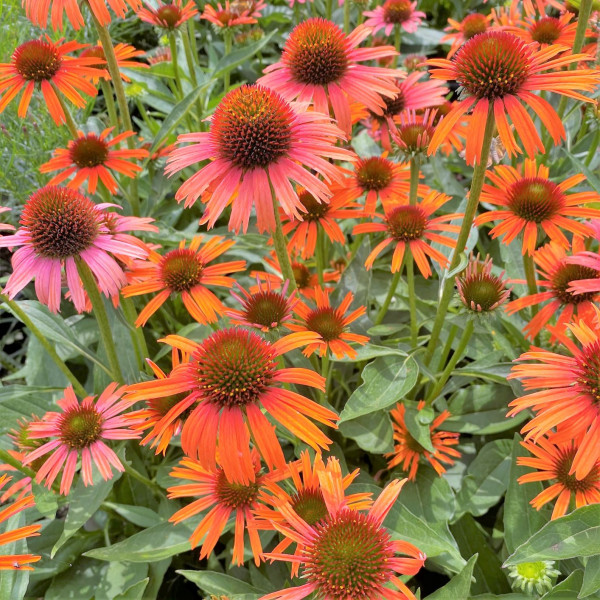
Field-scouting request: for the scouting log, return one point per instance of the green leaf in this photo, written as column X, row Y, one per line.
column 580, row 167
column 591, row 577
column 373, row 433
column 17, row 401
column 496, row 373
column 574, row 535
column 369, row 351
column 567, row 589
column 458, row 586
column 135, row 592
column 215, row 583
column 430, row 496
column 138, row 515
column 486, row 479
column 239, row 57
column 13, row 583
column 77, row 583
column 385, row 381
column 46, row 501
column 521, row 520
column 152, row 544
column 119, row 577
column 84, row 502
column 417, row 422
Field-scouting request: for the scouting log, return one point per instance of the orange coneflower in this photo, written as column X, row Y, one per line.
column 184, row 271
column 316, row 216
column 214, row 491
column 545, row 30
column 168, row 15
column 499, row 71
column 47, row 65
column 556, row 274
column 554, row 462
column 91, row 157
column 460, row 32
column 226, row 16
column 330, row 323
column 479, row 290
column 529, row 200
column 348, row 553
column 124, row 53
column 231, row 375
column 567, row 393
column 407, row 451
column 407, row 225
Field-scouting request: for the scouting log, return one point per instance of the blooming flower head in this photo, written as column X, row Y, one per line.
column 17, row 561
column 256, row 141
column 553, row 462
column 5, row 226
column 59, row 227
column 564, row 392
column 265, row 308
column 80, row 432
column 124, row 53
column 412, row 133
column 231, row 375
column 214, row 491
column 479, row 290
column 46, row 65
column 187, row 272
column 528, row 200
column 555, row 276
column 461, row 31
column 348, row 553
column 38, row 11
column 316, row 216
column 330, row 323
column 320, row 64
column 406, row 225
column 498, row 72
column 168, row 15
column 91, row 157
column 226, row 17
column 407, row 451
column 394, row 13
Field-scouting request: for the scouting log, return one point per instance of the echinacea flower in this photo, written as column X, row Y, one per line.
column 212, row 490
column 394, row 13
column 168, row 15
column 316, row 216
column 187, row 272
column 330, row 323
column 46, row 65
column 264, row 308
column 17, row 561
column 320, row 64
column 38, row 11
column 348, row 553
column 124, row 53
column 80, row 432
column 412, row 133
column 555, row 276
column 553, row 462
column 498, row 72
column 528, row 200
column 231, row 375
column 91, row 157
column 530, row 577
column 479, row 290
column 564, row 392
column 5, row 226
column 257, row 140
column 411, row 226
column 226, row 17
column 461, row 31
column 59, row 227
column 407, row 450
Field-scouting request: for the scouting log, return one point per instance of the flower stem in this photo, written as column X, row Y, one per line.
column 388, row 299
column 110, row 104
column 89, row 283
column 280, row 244
column 412, row 301
column 319, row 256
column 397, row 43
column 189, row 57
column 414, row 182
column 175, row 63
column 461, row 242
column 20, row 314
column 227, row 41
column 329, row 9
column 69, row 122
column 532, row 289
column 462, row 344
column 346, row 16
column 137, row 333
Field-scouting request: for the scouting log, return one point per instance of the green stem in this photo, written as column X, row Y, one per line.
column 593, row 147
column 532, row 289
column 227, row 42
column 462, row 344
column 346, row 16
column 175, row 63
column 137, row 333
column 89, row 283
column 388, row 299
column 6, row 457
column 447, row 347
column 280, row 244
column 141, row 478
column 69, row 122
column 397, row 43
column 110, row 104
column 189, row 57
column 319, row 256
column 414, row 182
column 329, row 9
column 463, row 236
column 145, row 115
column 20, row 314
column 192, row 37
column 412, row 301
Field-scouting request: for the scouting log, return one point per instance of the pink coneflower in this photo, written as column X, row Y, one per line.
column 320, row 64
column 226, row 17
column 257, row 140
column 91, row 157
column 58, row 227
column 5, row 226
column 168, row 16
column 394, row 13
column 78, row 432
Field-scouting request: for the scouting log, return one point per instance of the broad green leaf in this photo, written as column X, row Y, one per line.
column 385, row 381
column 138, row 515
column 497, row 373
column 40, row 369
column 458, row 586
column 591, row 577
column 430, row 496
column 417, row 422
column 84, row 502
column 521, row 520
column 135, row 592
column 567, row 589
column 574, row 535
column 373, row 433
column 46, row 501
column 77, row 583
column 212, row 582
column 369, row 351
column 19, row 401
column 239, row 57
column 498, row 597
column 580, row 167
column 13, row 583
column 486, row 479
column 152, row 544
column 118, row 577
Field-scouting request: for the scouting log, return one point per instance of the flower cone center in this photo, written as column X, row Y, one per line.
column 314, row 210
column 310, row 505
column 473, row 24
column 546, row 31
column 80, row 427
column 406, row 223
column 88, row 151
column 181, row 269
column 533, row 571
column 588, row 363
column 394, row 106
column 327, row 322
column 94, row 52
column 37, row 60
column 535, row 199
column 169, row 15
column 562, row 278
column 483, row 290
column 267, row 309
column 374, row 173
column 570, row 482
column 301, row 275
column 415, row 136
column 397, row 11
column 61, row 222
column 236, row 495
